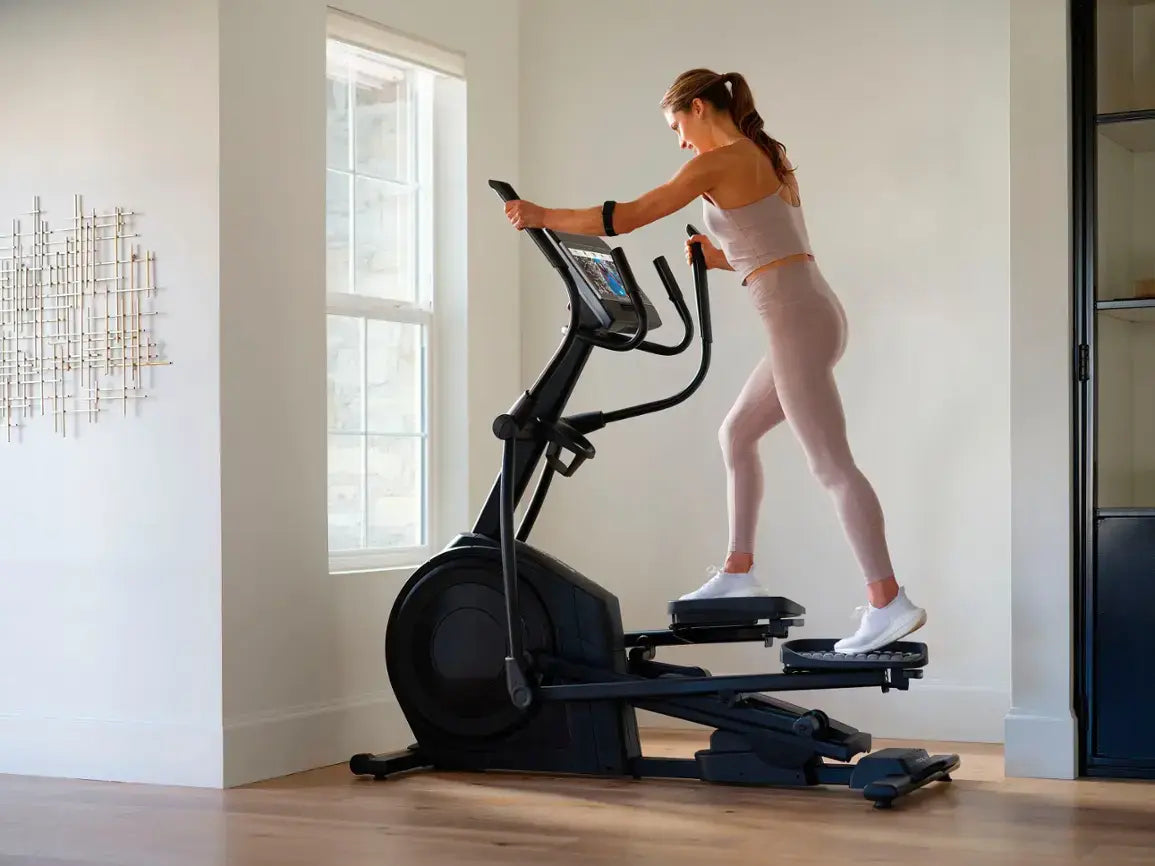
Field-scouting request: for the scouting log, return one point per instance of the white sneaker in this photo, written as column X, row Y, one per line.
column 883, row 625
column 727, row 585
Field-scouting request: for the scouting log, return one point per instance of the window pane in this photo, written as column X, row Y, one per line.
column 1125, row 55
column 337, row 120
column 346, row 492
column 345, row 374
column 395, row 362
column 384, row 240
column 396, row 507
column 1125, row 438
column 383, row 98
column 338, row 195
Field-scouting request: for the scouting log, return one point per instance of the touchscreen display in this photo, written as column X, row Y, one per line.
column 600, row 272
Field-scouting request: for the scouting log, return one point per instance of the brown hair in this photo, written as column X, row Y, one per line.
column 737, row 99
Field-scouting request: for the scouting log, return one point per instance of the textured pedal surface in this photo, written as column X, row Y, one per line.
column 818, row 654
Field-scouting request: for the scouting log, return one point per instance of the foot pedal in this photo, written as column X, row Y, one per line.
column 815, row 654
column 733, row 611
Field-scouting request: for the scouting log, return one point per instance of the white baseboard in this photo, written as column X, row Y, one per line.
column 246, row 750
column 156, row 753
column 929, row 711
column 1041, row 747
column 270, row 745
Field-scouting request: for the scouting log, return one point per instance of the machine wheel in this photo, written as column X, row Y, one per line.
column 358, row 764
column 446, row 644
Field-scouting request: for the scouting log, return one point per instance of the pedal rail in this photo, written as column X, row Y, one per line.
column 599, row 684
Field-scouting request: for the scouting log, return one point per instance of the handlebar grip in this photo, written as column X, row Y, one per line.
column 540, row 237
column 673, row 290
column 695, row 249
column 503, row 189
column 699, row 263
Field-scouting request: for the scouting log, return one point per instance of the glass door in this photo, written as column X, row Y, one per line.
column 1114, row 120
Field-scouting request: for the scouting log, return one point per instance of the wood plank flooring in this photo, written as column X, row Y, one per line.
column 329, row 817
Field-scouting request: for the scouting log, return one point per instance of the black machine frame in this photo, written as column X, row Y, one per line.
column 758, row 739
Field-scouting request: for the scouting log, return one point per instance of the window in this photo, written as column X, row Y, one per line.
column 381, row 310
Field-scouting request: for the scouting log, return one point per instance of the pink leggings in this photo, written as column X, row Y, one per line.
column 795, row 382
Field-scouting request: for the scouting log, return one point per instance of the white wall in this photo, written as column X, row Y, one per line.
column 304, row 677
column 110, row 547
column 896, row 114
column 209, row 119
column 1040, row 728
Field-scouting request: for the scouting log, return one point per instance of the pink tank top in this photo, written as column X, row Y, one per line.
column 758, row 233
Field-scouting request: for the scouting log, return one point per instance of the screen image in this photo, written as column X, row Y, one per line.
column 600, row 272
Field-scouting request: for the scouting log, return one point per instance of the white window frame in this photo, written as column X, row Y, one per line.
column 404, row 50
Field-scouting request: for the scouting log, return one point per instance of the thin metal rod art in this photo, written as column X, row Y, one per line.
column 74, row 317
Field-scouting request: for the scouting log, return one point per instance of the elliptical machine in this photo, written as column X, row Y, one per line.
column 505, row 658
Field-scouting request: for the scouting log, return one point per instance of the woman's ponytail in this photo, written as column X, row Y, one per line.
column 749, row 121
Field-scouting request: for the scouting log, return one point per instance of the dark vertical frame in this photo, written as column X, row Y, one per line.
column 1083, row 102
column 1088, row 518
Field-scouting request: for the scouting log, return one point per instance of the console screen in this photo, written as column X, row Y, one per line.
column 600, row 272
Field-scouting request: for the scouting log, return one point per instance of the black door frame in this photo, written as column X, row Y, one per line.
column 1084, row 124
column 1083, row 98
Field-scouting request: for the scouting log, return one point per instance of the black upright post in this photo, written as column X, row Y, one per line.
column 544, row 402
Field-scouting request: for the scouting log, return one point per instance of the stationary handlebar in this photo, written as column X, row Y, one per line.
column 674, row 293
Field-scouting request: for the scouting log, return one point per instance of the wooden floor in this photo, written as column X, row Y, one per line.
column 329, row 817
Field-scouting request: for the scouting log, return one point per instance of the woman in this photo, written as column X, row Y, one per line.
column 752, row 205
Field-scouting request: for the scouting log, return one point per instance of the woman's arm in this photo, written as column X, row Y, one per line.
column 696, row 177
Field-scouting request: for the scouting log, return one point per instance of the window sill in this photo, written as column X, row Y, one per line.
column 378, row 562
